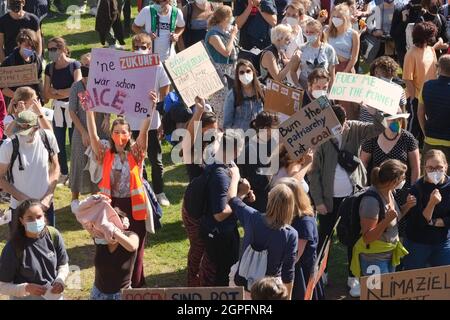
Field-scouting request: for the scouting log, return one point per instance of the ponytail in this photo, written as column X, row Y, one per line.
column 375, row 176
column 389, row 171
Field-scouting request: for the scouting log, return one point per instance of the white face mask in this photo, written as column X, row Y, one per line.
column 400, row 185
column 292, row 21
column 140, row 51
column 246, row 78
column 318, row 93
column 337, row 22
column 435, row 177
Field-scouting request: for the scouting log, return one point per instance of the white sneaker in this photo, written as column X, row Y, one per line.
column 74, row 206
column 83, row 9
column 162, row 199
column 93, row 12
column 63, row 179
column 117, row 47
column 355, row 288
column 325, row 279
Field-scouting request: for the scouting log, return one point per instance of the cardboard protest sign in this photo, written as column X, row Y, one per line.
column 119, row 82
column 193, row 73
column 282, row 98
column 371, row 91
column 419, row 284
column 17, row 76
column 311, row 126
column 197, row 293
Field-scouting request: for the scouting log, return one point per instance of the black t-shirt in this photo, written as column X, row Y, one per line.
column 113, row 270
column 11, row 27
column 62, row 78
column 37, row 7
column 39, row 262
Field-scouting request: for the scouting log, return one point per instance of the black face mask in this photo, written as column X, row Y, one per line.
column 434, row 9
column 84, row 71
column 15, row 6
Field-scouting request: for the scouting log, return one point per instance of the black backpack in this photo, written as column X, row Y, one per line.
column 349, row 228
column 15, row 154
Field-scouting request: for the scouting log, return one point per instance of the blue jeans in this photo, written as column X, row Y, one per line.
column 424, row 255
column 60, row 134
column 98, row 295
column 382, row 266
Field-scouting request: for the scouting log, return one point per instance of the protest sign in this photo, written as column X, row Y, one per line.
column 282, row 98
column 193, row 73
column 419, row 284
column 371, row 91
column 119, row 82
column 311, row 126
column 198, row 293
column 18, row 76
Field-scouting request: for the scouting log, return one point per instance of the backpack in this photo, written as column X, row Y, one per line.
column 349, row 228
column 53, row 235
column 174, row 112
column 155, row 19
column 15, row 154
column 51, row 68
column 195, row 196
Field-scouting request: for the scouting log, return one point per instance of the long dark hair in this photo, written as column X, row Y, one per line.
column 119, row 121
column 238, row 85
column 18, row 236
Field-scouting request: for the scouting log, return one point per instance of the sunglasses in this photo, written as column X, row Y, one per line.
column 52, row 49
column 140, row 47
column 242, row 72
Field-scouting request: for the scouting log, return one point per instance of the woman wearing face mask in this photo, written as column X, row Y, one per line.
column 34, row 261
column 245, row 100
column 196, row 15
column 379, row 245
column 220, row 44
column 80, row 181
column 292, row 18
column 60, row 74
column 343, row 39
column 395, row 143
column 114, row 262
column 122, row 161
column 427, row 236
column 25, row 53
column 274, row 62
column 314, row 54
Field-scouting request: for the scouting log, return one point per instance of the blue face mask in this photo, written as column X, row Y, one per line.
column 395, row 127
column 35, row 226
column 27, row 52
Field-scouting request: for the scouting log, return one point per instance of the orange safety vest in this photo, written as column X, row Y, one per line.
column 137, row 191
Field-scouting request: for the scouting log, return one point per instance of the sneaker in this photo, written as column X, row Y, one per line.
column 355, row 288
column 74, row 206
column 325, row 279
column 117, row 47
column 83, row 9
column 162, row 199
column 93, row 11
column 63, row 179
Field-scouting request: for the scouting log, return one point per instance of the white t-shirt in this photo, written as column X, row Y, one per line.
column 33, row 180
column 162, row 44
column 161, row 80
column 342, row 186
column 8, row 119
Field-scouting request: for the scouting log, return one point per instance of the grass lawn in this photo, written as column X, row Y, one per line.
column 166, row 252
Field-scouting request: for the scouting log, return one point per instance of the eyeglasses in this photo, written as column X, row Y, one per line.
column 434, row 169
column 242, row 72
column 52, row 49
column 140, row 47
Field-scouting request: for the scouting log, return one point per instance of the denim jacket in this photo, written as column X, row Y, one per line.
column 239, row 117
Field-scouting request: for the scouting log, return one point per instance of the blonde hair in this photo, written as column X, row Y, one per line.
column 316, row 25
column 434, row 153
column 143, row 38
column 303, row 205
column 280, row 206
column 85, row 57
column 21, row 94
column 220, row 15
column 344, row 10
column 279, row 32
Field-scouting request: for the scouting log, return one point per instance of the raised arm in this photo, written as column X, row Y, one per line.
column 92, row 130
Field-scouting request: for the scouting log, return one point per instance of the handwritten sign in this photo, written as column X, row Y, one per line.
column 199, row 293
column 119, row 82
column 420, row 284
column 281, row 98
column 17, row 76
column 311, row 126
column 371, row 91
column 193, row 73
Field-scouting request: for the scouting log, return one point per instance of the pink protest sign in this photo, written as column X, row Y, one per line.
column 119, row 82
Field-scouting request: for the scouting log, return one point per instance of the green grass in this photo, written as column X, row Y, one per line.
column 166, row 252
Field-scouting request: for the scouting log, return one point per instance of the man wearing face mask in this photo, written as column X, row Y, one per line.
column 318, row 84
column 434, row 109
column 35, row 171
column 12, row 23
column 25, row 53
